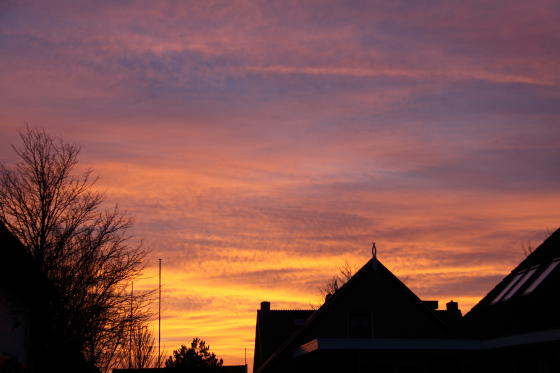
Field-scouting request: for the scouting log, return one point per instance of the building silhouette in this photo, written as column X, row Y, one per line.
column 374, row 323
column 24, row 300
column 30, row 338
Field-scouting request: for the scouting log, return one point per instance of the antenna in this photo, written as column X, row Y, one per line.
column 159, row 320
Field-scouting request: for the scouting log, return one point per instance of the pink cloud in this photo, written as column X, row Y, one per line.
column 259, row 146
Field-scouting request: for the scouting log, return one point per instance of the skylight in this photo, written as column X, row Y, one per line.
column 506, row 289
column 541, row 277
column 520, row 283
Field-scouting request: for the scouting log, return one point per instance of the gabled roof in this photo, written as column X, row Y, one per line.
column 396, row 312
column 525, row 300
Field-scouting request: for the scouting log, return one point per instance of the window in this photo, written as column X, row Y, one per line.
column 542, row 276
column 520, row 283
column 506, row 289
column 359, row 325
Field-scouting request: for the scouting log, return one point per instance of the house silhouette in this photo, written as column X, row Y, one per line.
column 30, row 340
column 24, row 302
column 375, row 323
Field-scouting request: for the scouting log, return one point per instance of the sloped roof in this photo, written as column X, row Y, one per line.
column 525, row 300
column 397, row 312
column 19, row 273
column 273, row 328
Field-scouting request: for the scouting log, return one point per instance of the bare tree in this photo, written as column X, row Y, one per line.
column 140, row 351
column 82, row 248
column 528, row 247
column 345, row 273
column 143, row 349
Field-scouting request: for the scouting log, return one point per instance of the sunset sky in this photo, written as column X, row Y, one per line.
column 261, row 144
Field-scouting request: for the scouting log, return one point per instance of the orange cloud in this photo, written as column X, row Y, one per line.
column 259, row 146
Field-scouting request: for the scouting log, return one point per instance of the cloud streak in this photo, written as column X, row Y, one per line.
column 260, row 146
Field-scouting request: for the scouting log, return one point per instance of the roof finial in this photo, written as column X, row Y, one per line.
column 373, row 250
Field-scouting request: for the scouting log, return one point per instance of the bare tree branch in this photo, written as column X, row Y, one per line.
column 345, row 273
column 83, row 249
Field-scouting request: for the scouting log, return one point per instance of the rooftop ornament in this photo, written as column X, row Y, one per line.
column 374, row 256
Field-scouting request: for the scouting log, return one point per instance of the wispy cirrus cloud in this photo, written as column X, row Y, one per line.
column 260, row 145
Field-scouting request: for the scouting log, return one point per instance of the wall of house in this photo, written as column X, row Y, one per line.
column 14, row 322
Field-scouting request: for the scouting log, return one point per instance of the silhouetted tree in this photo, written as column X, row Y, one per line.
column 528, row 247
column 345, row 273
column 197, row 357
column 82, row 248
column 140, row 351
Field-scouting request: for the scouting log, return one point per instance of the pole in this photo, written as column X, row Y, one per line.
column 130, row 350
column 159, row 320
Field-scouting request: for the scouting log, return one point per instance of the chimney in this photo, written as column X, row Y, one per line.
column 431, row 304
column 452, row 306
column 265, row 306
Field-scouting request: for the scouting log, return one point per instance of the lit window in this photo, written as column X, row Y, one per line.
column 541, row 277
column 523, row 280
column 506, row 289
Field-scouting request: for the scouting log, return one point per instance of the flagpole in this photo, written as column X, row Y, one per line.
column 159, row 318
column 130, row 339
